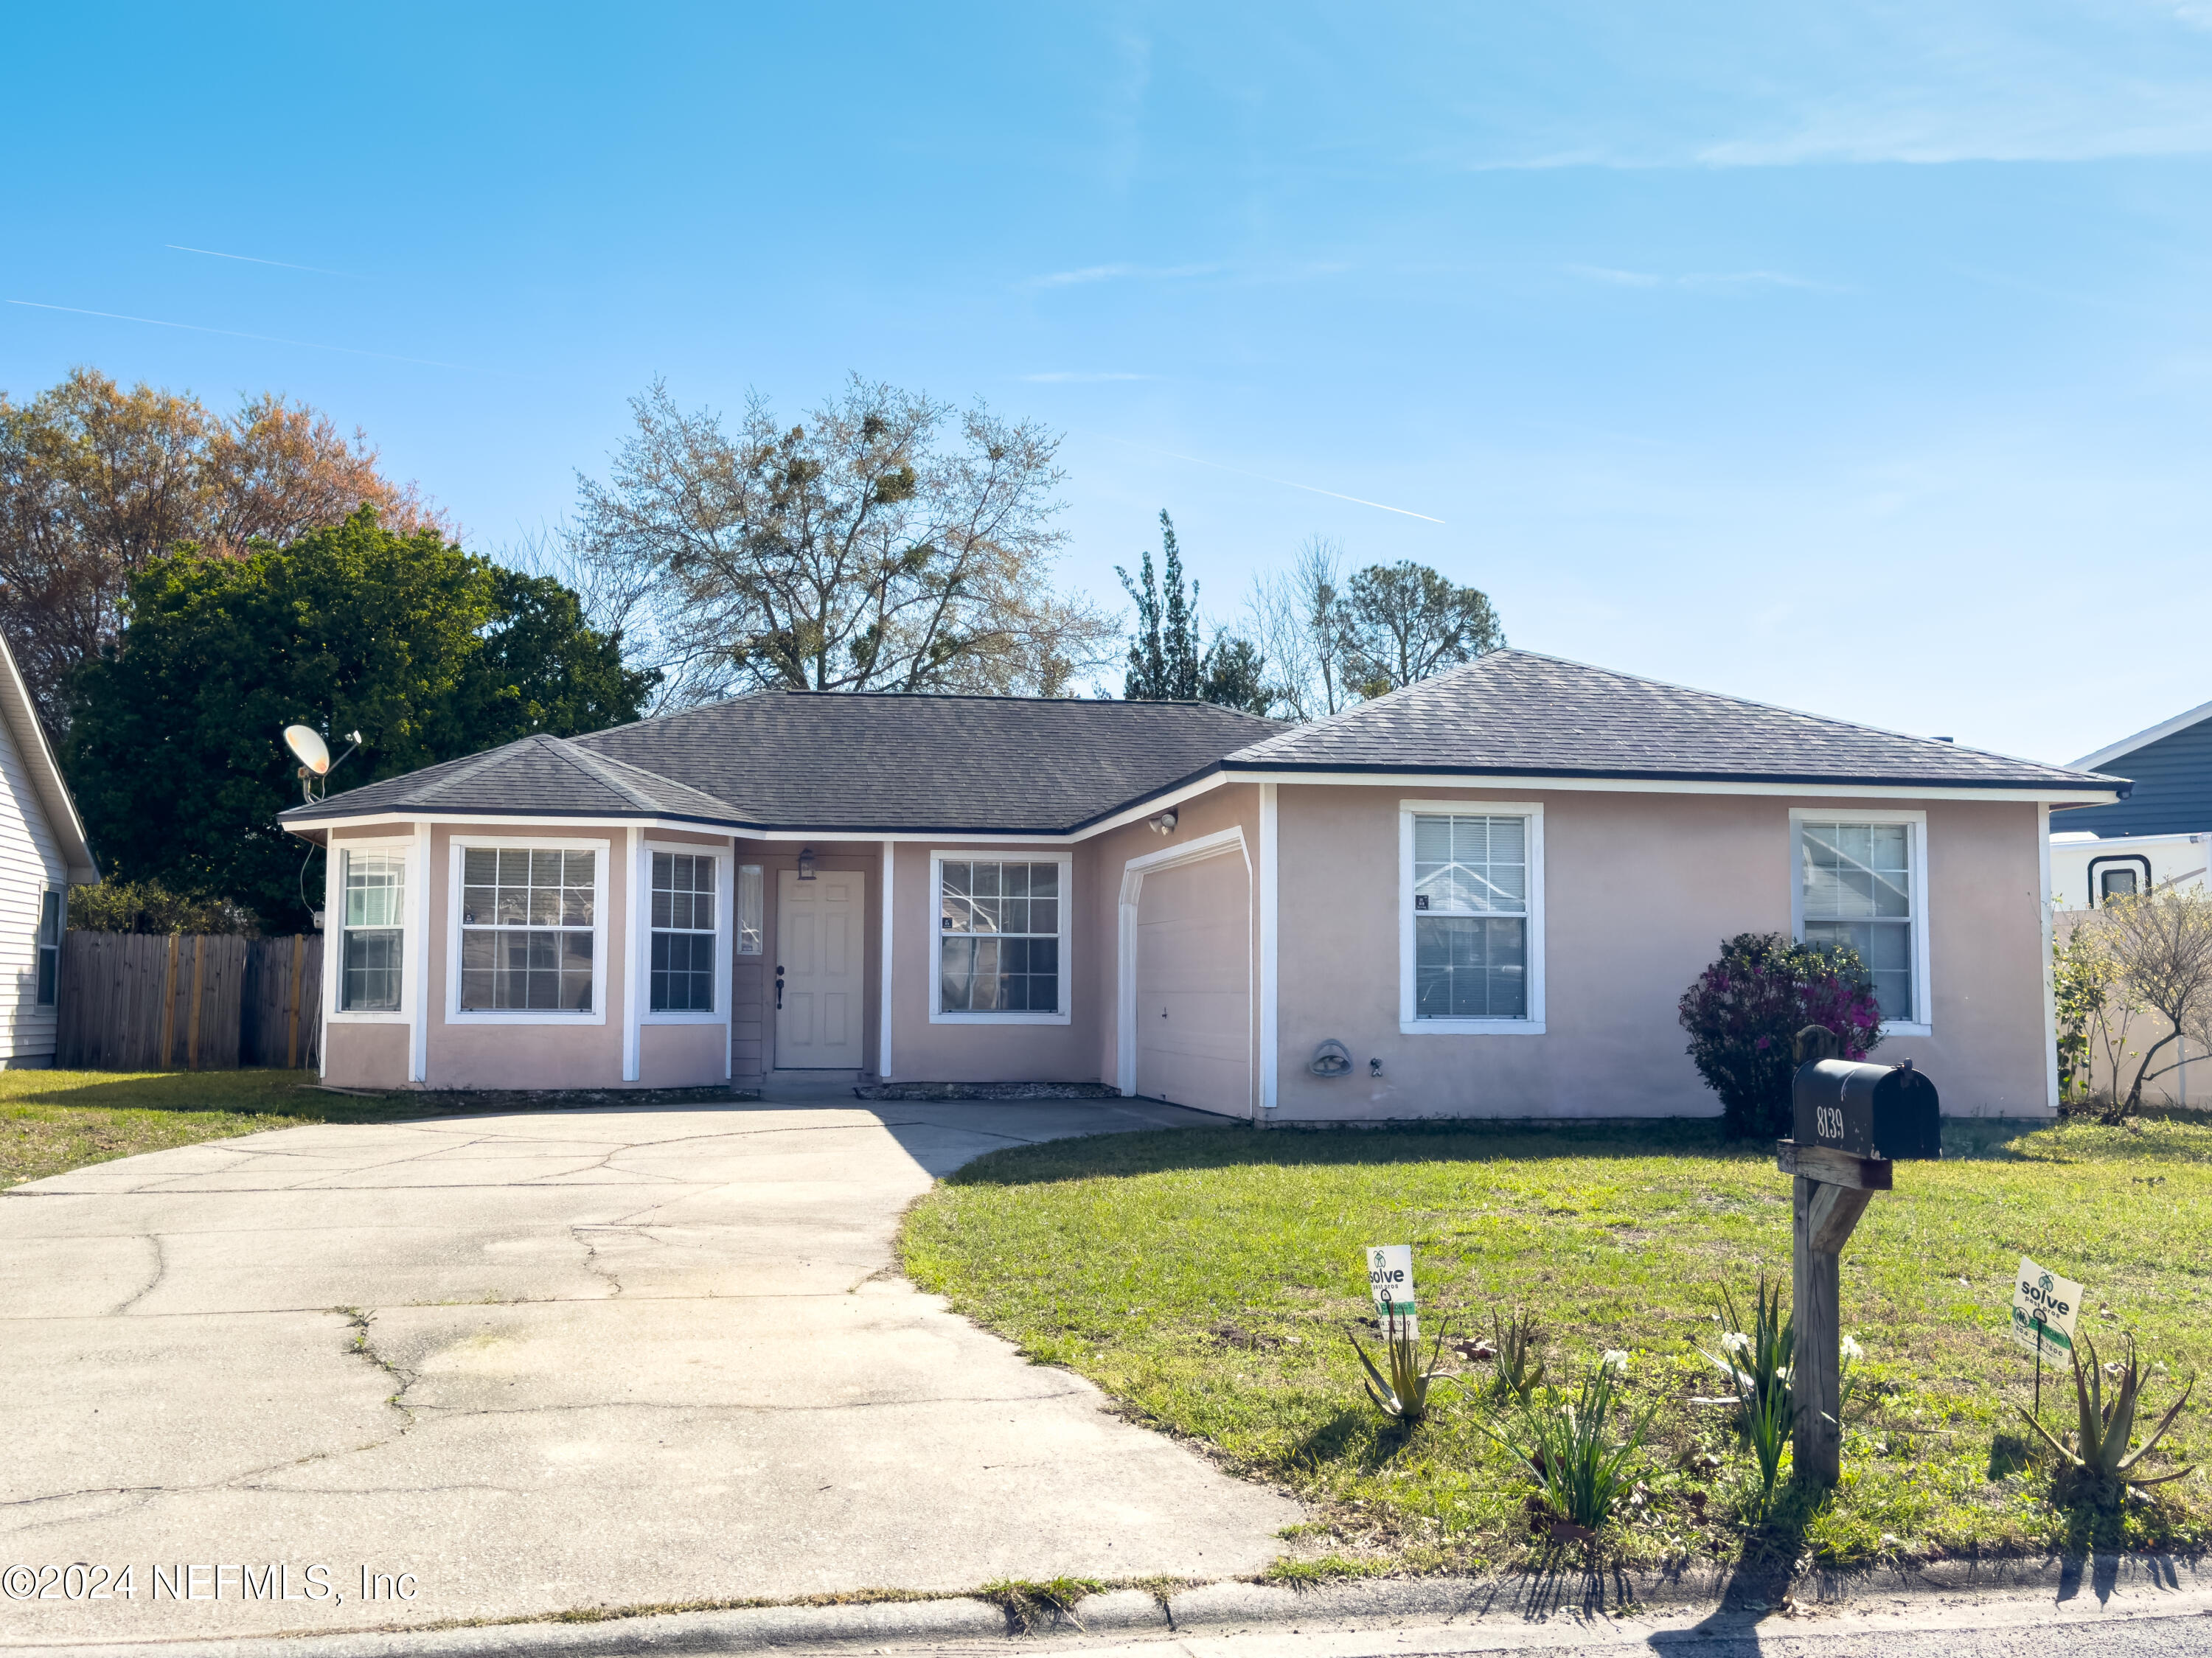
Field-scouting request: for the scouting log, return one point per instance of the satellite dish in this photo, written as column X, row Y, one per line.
column 314, row 754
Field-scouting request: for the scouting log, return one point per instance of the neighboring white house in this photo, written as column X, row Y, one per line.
column 42, row 853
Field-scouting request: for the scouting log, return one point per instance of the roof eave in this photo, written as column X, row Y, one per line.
column 2118, row 787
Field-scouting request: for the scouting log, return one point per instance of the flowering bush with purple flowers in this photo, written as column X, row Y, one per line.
column 1744, row 1011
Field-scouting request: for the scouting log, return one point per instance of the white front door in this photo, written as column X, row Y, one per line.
column 819, row 944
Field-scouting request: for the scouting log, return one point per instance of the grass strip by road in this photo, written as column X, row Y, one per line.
column 1205, row 1278
column 52, row 1121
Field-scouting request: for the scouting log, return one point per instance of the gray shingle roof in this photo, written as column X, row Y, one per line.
column 1520, row 713
column 825, row 760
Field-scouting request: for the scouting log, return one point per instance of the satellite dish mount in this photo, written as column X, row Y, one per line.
column 314, row 758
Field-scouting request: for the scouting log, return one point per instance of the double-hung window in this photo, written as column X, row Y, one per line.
column 1471, row 947
column 1001, row 929
column 683, row 933
column 50, row 946
column 373, row 920
column 1860, row 881
column 529, row 917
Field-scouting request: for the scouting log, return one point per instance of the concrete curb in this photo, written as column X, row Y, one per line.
column 1230, row 1607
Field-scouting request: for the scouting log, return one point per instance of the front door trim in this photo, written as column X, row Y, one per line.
column 1133, row 886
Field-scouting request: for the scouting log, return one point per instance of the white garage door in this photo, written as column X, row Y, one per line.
column 1194, row 1001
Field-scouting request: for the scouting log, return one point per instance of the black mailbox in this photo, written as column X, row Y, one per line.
column 1868, row 1110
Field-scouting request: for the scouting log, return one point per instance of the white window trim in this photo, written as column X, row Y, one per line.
column 726, row 911
column 604, row 848
column 938, row 935
column 334, row 929
column 1922, row 1023
column 1408, row 1025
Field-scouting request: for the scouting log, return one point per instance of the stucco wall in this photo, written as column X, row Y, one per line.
column 365, row 1055
column 1640, row 890
column 968, row 1052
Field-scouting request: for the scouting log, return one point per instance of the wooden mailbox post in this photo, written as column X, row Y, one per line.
column 1848, row 1116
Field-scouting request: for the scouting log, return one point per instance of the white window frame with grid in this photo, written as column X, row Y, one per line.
column 335, row 927
column 1922, row 1023
column 724, row 863
column 461, row 845
column 1409, row 1023
column 938, row 1014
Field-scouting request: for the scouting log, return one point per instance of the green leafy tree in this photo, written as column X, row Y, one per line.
column 1234, row 675
column 175, row 750
column 1403, row 622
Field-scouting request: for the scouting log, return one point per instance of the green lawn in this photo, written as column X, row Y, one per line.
column 54, row 1121
column 1205, row 1278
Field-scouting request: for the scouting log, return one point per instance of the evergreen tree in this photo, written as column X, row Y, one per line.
column 1165, row 657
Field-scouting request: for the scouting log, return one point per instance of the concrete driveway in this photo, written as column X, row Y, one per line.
column 604, row 1358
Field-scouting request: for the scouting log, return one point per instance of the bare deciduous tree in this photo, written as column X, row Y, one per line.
column 2151, row 953
column 886, row 541
column 94, row 481
column 1299, row 622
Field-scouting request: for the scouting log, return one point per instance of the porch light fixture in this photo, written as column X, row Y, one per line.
column 1164, row 824
column 806, row 863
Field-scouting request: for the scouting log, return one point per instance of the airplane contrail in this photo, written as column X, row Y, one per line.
column 236, row 334
column 249, row 259
column 1358, row 500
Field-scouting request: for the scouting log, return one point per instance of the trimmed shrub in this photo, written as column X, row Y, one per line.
column 1746, row 1008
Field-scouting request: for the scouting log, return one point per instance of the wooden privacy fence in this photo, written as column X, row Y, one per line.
column 138, row 1001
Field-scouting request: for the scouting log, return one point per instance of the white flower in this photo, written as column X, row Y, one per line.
column 1852, row 1351
column 1615, row 1360
column 1734, row 1341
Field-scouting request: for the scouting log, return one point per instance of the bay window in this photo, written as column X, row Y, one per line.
column 529, row 930
column 373, row 929
column 684, row 931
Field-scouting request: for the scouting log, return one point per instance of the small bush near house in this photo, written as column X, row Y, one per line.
column 1744, row 1010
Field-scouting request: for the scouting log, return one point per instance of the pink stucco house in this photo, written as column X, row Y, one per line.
column 1489, row 889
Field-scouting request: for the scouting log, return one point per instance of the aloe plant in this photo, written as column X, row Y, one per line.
column 1581, row 1470
column 1520, row 1366
column 1403, row 1394
column 2097, row 1450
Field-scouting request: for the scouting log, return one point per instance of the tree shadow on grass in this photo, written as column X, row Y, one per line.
column 1442, row 1140
column 1183, row 1149
column 1353, row 1438
column 252, row 1092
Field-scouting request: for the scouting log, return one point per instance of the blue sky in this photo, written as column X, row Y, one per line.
column 1853, row 357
